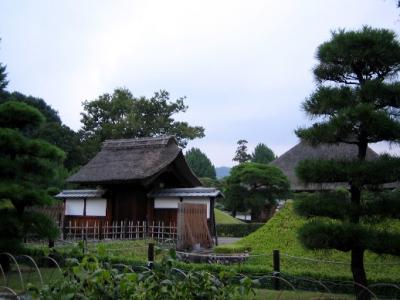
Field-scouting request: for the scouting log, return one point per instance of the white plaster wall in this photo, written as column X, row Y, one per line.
column 96, row 207
column 74, row 207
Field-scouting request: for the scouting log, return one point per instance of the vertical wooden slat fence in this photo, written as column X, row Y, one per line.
column 120, row 230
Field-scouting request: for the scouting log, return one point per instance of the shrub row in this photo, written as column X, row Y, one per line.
column 237, row 230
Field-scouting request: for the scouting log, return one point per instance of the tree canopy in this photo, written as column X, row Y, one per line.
column 27, row 170
column 241, row 155
column 121, row 115
column 200, row 164
column 52, row 130
column 253, row 186
column 357, row 101
column 262, row 154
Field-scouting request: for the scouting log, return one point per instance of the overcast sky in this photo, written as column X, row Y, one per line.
column 244, row 66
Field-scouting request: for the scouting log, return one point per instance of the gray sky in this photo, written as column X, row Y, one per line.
column 245, row 66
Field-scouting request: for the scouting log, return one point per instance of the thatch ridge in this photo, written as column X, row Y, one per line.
column 125, row 160
column 288, row 161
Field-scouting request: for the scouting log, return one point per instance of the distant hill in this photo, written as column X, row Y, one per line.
column 222, row 172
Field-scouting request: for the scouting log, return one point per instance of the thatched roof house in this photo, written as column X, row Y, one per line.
column 288, row 161
column 134, row 181
column 136, row 160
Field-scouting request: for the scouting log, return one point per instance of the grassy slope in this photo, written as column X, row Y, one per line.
column 224, row 218
column 281, row 233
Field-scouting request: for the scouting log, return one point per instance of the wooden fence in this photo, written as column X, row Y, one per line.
column 119, row 230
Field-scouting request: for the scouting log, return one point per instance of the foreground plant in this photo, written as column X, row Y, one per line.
column 91, row 279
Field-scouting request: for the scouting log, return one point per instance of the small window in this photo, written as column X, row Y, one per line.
column 74, row 207
column 96, row 207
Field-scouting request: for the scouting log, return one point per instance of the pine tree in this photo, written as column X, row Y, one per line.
column 200, row 164
column 262, row 154
column 26, row 168
column 241, row 155
column 357, row 102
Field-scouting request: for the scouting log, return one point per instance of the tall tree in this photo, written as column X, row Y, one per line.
column 121, row 115
column 241, row 155
column 200, row 164
column 3, row 80
column 357, row 102
column 254, row 186
column 52, row 130
column 27, row 168
column 262, row 154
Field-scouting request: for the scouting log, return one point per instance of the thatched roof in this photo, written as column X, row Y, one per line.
column 140, row 160
column 288, row 161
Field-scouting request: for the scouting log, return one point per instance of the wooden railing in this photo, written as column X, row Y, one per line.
column 119, row 230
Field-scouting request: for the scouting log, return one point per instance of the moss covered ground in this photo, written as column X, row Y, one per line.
column 222, row 217
column 281, row 233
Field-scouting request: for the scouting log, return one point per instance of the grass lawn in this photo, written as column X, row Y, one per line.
column 29, row 276
column 263, row 294
column 222, row 217
column 281, row 233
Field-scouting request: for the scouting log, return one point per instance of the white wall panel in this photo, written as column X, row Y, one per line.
column 96, row 207
column 74, row 207
column 166, row 203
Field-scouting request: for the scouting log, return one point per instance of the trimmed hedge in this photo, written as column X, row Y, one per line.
column 237, row 230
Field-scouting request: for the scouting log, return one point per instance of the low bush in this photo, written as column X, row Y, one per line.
column 237, row 230
column 93, row 279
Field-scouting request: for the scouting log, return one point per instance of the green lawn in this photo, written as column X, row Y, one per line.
column 263, row 294
column 281, row 233
column 222, row 217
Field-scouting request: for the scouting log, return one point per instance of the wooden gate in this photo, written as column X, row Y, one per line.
column 192, row 228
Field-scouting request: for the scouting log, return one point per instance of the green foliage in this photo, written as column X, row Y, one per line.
column 281, row 232
column 209, row 182
column 252, row 186
column 121, row 115
column 200, row 163
column 238, row 229
column 3, row 79
column 222, row 217
column 262, row 154
column 241, row 155
column 91, row 279
column 52, row 130
column 27, row 166
column 19, row 115
column 357, row 102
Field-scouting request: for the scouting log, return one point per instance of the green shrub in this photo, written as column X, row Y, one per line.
column 237, row 230
column 93, row 279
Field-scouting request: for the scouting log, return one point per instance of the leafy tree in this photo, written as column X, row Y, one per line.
column 52, row 130
column 200, row 164
column 121, row 115
column 357, row 102
column 254, row 186
column 3, row 79
column 262, row 154
column 241, row 155
column 26, row 168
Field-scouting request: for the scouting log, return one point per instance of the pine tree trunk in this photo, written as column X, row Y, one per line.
column 359, row 276
column 357, row 253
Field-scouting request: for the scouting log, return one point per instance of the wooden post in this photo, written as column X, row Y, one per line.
column 150, row 256
column 277, row 270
